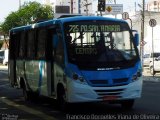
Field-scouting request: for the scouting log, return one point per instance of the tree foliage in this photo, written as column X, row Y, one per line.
column 29, row 13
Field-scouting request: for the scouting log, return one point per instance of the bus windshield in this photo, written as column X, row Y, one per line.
column 100, row 44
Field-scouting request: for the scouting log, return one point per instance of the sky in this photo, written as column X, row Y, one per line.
column 8, row 6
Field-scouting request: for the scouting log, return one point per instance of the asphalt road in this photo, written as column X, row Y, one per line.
column 13, row 106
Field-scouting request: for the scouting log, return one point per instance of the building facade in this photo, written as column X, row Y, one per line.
column 76, row 6
column 153, row 5
column 151, row 34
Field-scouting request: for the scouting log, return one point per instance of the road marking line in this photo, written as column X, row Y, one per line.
column 27, row 109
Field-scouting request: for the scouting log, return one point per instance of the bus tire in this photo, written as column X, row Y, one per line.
column 127, row 104
column 61, row 99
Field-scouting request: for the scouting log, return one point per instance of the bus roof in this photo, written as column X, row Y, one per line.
column 35, row 25
column 63, row 20
column 76, row 18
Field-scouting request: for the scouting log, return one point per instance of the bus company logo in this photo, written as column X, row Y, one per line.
column 102, row 69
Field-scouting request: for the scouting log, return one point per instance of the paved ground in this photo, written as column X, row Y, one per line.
column 148, row 77
column 3, row 68
column 13, row 106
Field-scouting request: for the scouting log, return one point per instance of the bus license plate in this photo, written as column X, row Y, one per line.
column 109, row 97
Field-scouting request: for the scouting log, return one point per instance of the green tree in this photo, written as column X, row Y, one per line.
column 29, row 13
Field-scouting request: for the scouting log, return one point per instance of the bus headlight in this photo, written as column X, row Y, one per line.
column 137, row 75
column 78, row 78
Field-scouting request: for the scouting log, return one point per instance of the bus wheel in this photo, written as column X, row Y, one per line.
column 61, row 99
column 127, row 104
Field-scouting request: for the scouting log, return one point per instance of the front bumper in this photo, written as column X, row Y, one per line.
column 77, row 92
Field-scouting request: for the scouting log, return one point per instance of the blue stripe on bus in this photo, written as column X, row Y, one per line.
column 40, row 76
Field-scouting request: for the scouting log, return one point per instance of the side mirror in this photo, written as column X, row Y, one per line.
column 135, row 37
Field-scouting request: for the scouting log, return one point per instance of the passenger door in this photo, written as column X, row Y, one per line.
column 50, row 60
column 31, row 64
column 59, row 64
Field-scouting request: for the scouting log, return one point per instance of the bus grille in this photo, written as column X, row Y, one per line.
column 105, row 83
column 95, row 82
column 112, row 92
column 122, row 80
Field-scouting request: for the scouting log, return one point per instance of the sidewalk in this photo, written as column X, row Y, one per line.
column 148, row 77
column 3, row 68
column 151, row 79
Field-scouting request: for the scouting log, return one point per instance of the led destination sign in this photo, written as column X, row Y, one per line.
column 94, row 28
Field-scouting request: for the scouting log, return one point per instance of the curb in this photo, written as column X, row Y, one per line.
column 151, row 79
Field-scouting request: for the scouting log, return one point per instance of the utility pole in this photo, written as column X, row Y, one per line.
column 143, row 17
column 71, row 6
column 86, row 6
column 19, row 4
column 79, row 6
column 135, row 9
column 142, row 30
column 115, row 3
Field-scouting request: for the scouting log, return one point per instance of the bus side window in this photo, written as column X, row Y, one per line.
column 14, row 45
column 31, row 44
column 42, row 37
column 22, row 45
column 50, row 43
